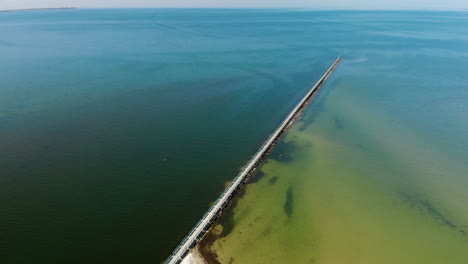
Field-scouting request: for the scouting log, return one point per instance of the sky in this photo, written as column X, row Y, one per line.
column 315, row 4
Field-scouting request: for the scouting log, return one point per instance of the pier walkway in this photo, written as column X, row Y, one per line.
column 203, row 225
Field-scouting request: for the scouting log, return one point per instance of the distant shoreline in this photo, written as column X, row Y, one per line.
column 35, row 9
column 246, row 8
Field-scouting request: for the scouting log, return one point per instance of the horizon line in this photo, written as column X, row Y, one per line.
column 245, row 8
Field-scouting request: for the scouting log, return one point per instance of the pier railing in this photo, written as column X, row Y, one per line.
column 202, row 226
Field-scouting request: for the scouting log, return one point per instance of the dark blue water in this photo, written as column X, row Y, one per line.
column 91, row 101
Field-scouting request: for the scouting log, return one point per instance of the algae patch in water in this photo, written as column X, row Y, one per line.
column 289, row 204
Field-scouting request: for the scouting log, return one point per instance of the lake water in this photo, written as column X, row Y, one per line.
column 92, row 101
column 376, row 171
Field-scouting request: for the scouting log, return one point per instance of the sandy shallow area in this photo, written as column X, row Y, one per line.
column 194, row 257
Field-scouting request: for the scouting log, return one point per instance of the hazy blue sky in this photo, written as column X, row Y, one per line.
column 318, row 4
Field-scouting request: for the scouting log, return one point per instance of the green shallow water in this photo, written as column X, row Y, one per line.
column 349, row 185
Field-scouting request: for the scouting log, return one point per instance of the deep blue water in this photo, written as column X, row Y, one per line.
column 91, row 101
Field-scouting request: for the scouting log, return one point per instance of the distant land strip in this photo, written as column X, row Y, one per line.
column 36, row 9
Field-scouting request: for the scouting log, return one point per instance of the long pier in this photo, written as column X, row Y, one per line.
column 203, row 225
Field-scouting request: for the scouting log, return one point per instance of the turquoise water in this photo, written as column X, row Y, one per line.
column 91, row 101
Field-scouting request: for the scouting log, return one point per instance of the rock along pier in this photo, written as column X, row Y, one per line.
column 205, row 222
